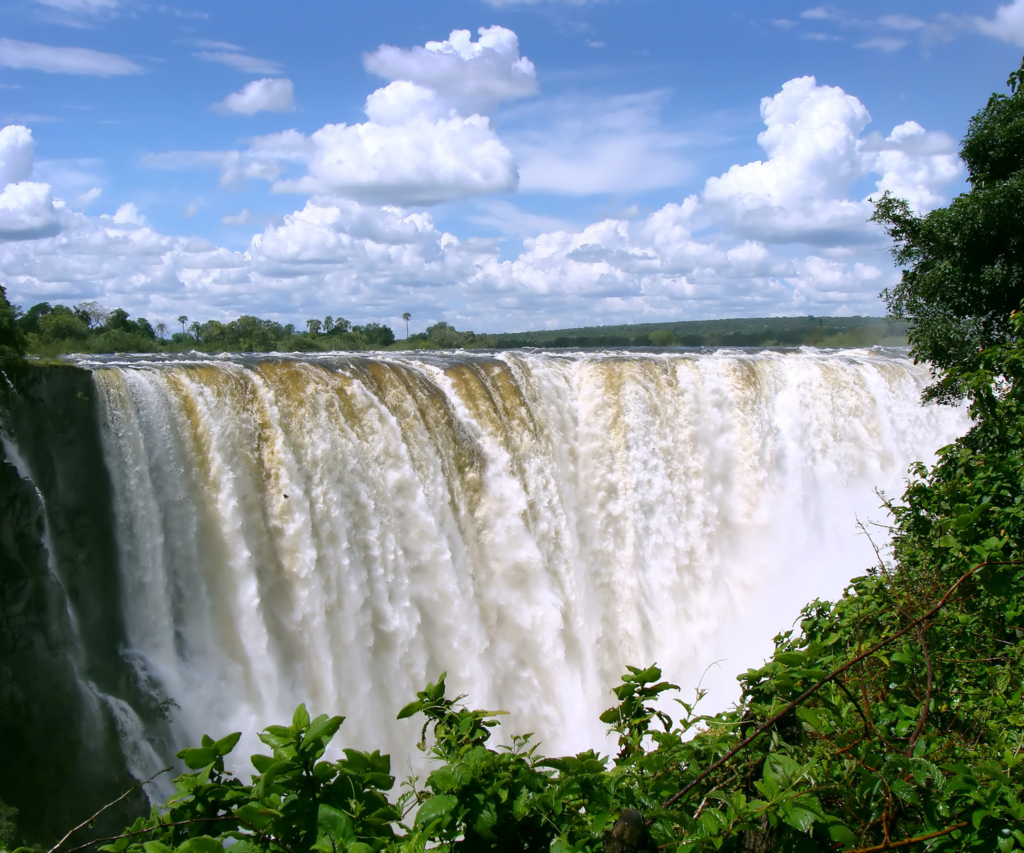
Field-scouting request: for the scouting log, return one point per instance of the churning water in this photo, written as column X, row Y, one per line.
column 340, row 529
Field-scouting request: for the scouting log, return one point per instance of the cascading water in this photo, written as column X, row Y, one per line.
column 339, row 529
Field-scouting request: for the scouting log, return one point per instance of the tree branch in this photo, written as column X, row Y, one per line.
column 927, row 693
column 188, row 822
column 89, row 820
column 906, row 842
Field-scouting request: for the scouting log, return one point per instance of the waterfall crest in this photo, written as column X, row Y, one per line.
column 339, row 529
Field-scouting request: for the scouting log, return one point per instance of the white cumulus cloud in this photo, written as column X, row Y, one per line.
column 64, row 60
column 27, row 210
column 271, row 94
column 15, row 154
column 427, row 139
column 1006, row 25
column 816, row 152
column 464, row 75
column 418, row 162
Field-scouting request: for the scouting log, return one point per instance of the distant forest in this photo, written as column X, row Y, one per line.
column 53, row 330
column 752, row 332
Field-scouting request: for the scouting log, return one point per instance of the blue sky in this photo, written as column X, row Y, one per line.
column 499, row 164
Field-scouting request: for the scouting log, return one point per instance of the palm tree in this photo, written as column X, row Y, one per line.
column 407, row 317
column 183, row 320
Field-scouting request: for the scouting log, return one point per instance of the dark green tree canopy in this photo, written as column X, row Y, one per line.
column 964, row 264
column 12, row 340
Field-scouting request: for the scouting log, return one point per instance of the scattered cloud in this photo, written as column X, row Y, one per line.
column 820, row 37
column 85, row 7
column 271, row 94
column 901, row 22
column 211, row 44
column 818, row 13
column 64, row 60
column 243, row 217
column 71, row 179
column 30, row 118
column 883, row 43
column 191, row 210
column 235, row 167
column 241, row 62
column 185, row 14
column 81, row 202
column 500, row 3
column 581, row 146
column 504, row 217
column 597, row 45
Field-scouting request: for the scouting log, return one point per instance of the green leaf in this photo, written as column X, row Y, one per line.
column 410, row 709
column 227, row 743
column 202, row 844
column 437, row 807
column 442, row 780
column 841, row 833
column 195, row 758
column 256, row 814
column 300, row 719
column 322, row 727
column 335, row 823
column 948, row 541
column 799, row 818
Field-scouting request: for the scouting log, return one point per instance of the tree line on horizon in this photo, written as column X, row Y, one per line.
column 50, row 330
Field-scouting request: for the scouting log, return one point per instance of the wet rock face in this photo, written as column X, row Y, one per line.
column 60, row 621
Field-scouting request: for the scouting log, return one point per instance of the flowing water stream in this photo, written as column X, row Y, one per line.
column 340, row 529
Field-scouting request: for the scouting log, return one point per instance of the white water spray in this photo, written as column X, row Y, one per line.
column 339, row 530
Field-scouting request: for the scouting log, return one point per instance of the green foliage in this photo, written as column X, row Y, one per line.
column 662, row 338
column 737, row 332
column 12, row 340
column 445, row 336
column 51, row 330
column 8, row 826
column 964, row 264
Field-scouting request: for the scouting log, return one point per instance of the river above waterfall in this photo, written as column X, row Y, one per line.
column 339, row 528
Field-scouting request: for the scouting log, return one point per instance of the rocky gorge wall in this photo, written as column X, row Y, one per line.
column 62, row 674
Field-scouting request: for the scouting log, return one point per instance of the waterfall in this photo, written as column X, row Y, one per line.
column 339, row 529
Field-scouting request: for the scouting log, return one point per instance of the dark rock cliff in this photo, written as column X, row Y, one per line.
column 61, row 629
